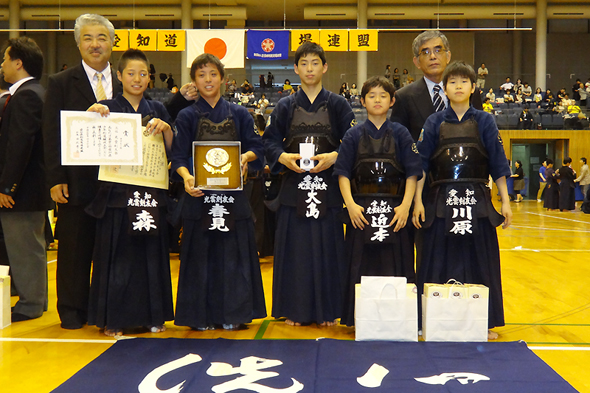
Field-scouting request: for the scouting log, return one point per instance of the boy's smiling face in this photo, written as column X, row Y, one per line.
column 135, row 78
column 208, row 82
column 377, row 101
column 459, row 88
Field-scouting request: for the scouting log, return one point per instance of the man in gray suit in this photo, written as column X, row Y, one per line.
column 73, row 187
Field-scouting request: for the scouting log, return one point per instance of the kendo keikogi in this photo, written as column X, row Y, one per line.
column 219, row 280
column 309, row 269
column 460, row 239
column 377, row 162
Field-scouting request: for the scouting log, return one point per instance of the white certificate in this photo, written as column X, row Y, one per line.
column 153, row 172
column 87, row 138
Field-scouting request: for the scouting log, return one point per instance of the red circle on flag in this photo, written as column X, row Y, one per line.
column 267, row 45
column 217, row 47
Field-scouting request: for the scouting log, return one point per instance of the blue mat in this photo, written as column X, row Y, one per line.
column 323, row 366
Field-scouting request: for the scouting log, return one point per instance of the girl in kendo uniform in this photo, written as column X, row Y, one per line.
column 460, row 147
column 309, row 264
column 377, row 168
column 219, row 282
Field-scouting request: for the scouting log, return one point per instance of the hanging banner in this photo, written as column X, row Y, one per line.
column 334, row 40
column 227, row 45
column 363, row 40
column 298, row 37
column 143, row 39
column 121, row 43
column 268, row 44
column 171, row 40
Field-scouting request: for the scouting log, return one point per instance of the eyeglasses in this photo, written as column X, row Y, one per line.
column 438, row 51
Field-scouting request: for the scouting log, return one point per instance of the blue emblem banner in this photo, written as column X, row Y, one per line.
column 268, row 44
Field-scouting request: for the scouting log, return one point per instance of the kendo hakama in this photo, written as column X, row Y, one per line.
column 309, row 259
column 219, row 282
column 551, row 191
column 460, row 156
column 131, row 284
column 378, row 163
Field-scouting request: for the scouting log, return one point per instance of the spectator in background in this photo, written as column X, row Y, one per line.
column 583, row 94
column 517, row 86
column 552, row 192
column 287, row 85
column 562, row 94
column 152, row 82
column 525, row 122
column 405, row 77
column 247, row 88
column 261, row 105
column 170, row 82
column 538, row 97
column 508, row 96
column 491, row 95
column 518, row 180
column 567, row 195
column 396, row 78
column 487, row 106
column 262, row 81
column 64, row 67
column 270, row 79
column 507, row 85
column 232, row 88
column 482, row 72
column 527, row 92
column 576, row 90
column 388, row 72
column 584, row 178
column 353, row 90
column 542, row 180
column 344, row 91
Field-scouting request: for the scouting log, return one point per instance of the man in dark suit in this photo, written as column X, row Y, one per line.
column 416, row 101
column 24, row 199
column 73, row 187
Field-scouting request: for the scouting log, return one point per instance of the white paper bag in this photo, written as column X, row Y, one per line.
column 5, row 317
column 456, row 318
column 383, row 312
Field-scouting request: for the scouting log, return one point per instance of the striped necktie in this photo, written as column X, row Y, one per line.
column 100, row 94
column 437, row 101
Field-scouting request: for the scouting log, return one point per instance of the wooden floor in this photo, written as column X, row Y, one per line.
column 545, row 269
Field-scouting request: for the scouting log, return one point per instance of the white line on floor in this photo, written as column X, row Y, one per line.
column 543, row 250
column 57, row 340
column 551, row 229
column 559, row 218
column 535, row 348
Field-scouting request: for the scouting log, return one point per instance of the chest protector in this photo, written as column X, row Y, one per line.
column 377, row 170
column 210, row 131
column 311, row 127
column 460, row 155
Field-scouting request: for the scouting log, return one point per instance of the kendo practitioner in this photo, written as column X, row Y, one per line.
column 460, row 147
column 219, row 283
column 377, row 168
column 309, row 263
column 551, row 201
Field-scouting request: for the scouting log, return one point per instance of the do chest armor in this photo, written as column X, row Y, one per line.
column 460, row 155
column 377, row 170
column 311, row 127
column 210, row 131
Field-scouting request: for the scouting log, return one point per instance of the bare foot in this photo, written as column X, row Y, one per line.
column 292, row 323
column 113, row 332
column 328, row 323
column 157, row 329
column 492, row 335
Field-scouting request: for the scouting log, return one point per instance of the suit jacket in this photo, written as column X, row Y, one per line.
column 413, row 105
column 69, row 90
column 22, row 170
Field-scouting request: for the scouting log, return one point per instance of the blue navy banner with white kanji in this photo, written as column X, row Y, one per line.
column 268, row 45
column 148, row 365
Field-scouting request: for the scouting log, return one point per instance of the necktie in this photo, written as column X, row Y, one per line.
column 437, row 101
column 100, row 94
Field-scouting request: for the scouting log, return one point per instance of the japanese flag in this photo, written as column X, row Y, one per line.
column 228, row 45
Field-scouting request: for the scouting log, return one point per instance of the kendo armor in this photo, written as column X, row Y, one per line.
column 376, row 169
column 460, row 155
column 311, row 127
column 210, row 131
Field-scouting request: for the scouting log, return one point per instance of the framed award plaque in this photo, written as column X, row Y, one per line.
column 217, row 165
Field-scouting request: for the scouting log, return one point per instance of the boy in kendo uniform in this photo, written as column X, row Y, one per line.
column 309, row 263
column 377, row 168
column 220, row 282
column 460, row 147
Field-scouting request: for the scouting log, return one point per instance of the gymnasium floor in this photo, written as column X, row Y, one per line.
column 545, row 268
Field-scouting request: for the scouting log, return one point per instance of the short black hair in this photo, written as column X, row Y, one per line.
column 204, row 59
column 310, row 48
column 567, row 160
column 26, row 50
column 549, row 161
column 377, row 81
column 131, row 54
column 458, row 68
column 583, row 159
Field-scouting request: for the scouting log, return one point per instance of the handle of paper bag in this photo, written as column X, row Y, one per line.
column 383, row 289
column 454, row 282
